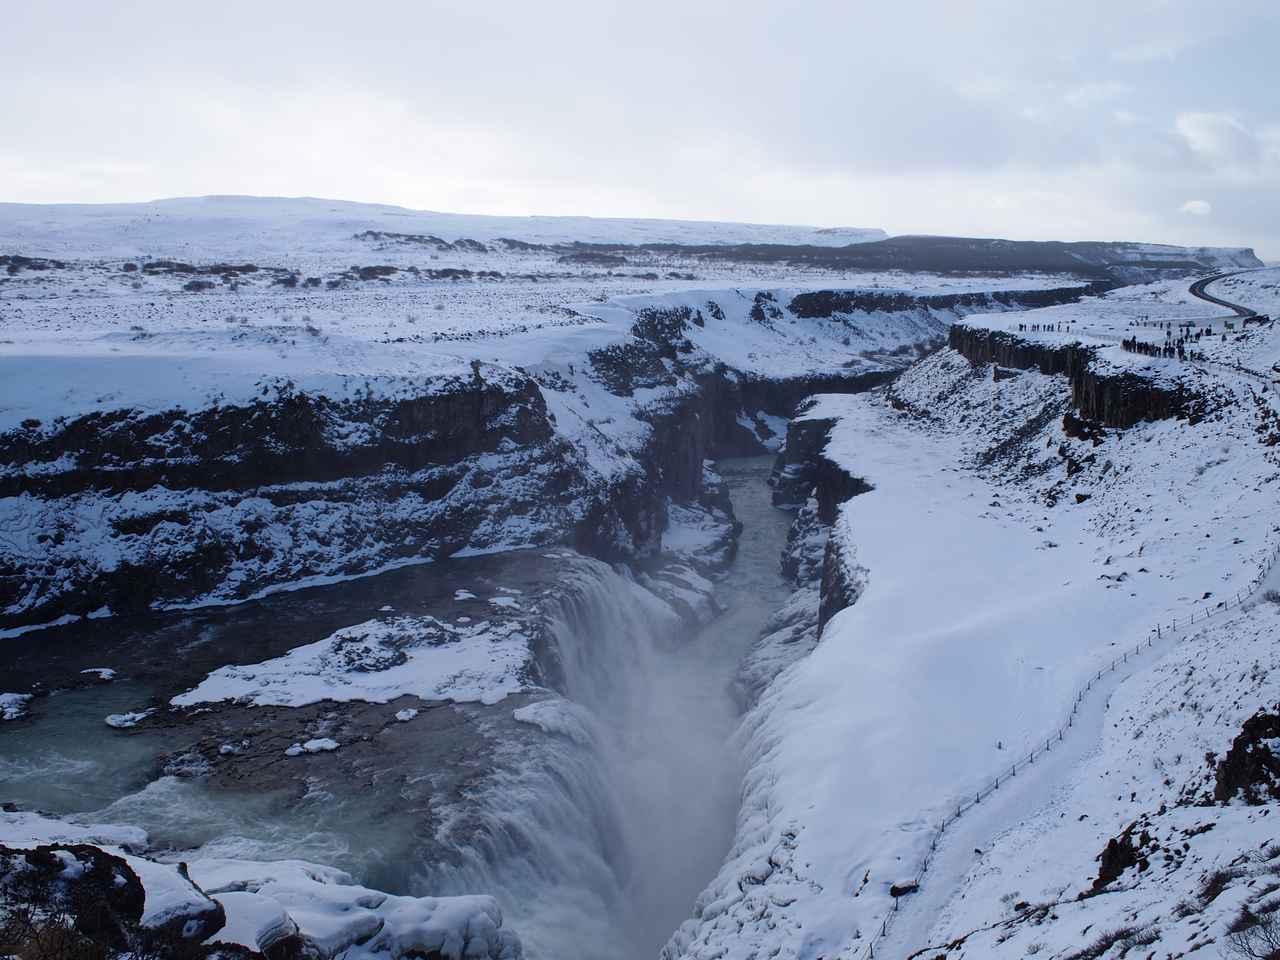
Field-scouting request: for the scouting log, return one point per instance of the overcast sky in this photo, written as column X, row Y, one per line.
column 1097, row 119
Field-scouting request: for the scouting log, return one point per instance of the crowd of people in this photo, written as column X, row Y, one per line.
column 1045, row 327
column 1171, row 348
column 1177, row 345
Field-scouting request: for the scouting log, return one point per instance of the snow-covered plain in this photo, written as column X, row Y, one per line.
column 230, row 226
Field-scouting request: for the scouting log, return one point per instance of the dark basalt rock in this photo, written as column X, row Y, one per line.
column 593, row 259
column 101, row 894
column 103, row 901
column 841, row 584
column 833, row 485
column 15, row 263
column 1080, row 429
column 289, row 438
column 801, row 469
column 1250, row 769
column 1100, row 261
column 1119, row 855
column 827, row 303
column 1112, row 400
column 796, row 467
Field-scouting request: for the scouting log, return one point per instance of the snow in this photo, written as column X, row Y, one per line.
column 1160, row 726
column 1258, row 289
column 253, row 921
column 690, row 529
column 169, row 894
column 13, row 705
column 317, row 745
column 340, row 915
column 1102, row 322
column 926, row 687
column 9, row 632
column 378, row 661
column 560, row 717
column 225, row 227
column 26, row 829
column 131, row 719
column 91, row 338
column 265, row 901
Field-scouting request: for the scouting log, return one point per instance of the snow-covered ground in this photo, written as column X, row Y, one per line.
column 1144, row 311
column 381, row 660
column 1151, row 765
column 166, row 328
column 264, row 902
column 1001, row 563
column 191, row 302
column 232, row 226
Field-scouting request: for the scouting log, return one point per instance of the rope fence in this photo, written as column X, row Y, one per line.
column 1160, row 631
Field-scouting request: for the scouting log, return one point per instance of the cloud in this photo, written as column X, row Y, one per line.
column 1197, row 208
column 1220, row 140
column 1092, row 94
column 993, row 117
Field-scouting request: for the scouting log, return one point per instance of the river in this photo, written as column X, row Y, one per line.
column 596, row 827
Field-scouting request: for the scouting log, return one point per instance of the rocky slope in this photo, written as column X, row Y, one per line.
column 291, row 478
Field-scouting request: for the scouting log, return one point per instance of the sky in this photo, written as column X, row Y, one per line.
column 1153, row 120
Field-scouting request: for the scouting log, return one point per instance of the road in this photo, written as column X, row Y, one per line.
column 1197, row 289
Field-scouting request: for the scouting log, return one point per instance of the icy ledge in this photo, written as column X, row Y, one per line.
column 263, row 904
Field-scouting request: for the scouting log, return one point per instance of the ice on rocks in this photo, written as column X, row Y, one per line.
column 380, row 660
column 13, row 705
column 122, row 721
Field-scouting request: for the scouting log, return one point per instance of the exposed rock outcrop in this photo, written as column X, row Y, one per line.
column 79, row 900
column 825, row 303
column 1113, row 399
column 1250, row 768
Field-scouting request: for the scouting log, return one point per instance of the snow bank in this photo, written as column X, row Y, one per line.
column 1149, row 769
column 340, row 915
column 266, row 903
column 380, row 660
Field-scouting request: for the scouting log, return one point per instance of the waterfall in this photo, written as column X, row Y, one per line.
column 597, row 837
column 616, row 802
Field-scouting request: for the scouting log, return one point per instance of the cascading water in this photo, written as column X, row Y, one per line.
column 597, row 843
column 595, row 817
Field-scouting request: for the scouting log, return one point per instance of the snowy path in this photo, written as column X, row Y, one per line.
column 1032, row 788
